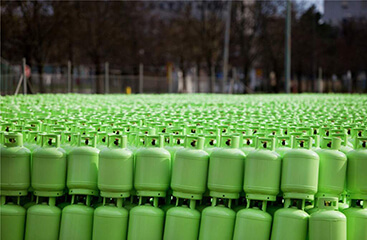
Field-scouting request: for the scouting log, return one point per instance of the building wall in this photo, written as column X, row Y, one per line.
column 335, row 12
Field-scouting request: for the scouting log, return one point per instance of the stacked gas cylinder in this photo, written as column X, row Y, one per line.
column 183, row 167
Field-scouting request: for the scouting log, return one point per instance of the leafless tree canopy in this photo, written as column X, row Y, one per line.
column 188, row 34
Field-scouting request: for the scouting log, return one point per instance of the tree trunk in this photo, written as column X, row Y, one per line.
column 98, row 77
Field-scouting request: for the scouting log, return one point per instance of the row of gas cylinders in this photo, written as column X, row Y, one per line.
column 183, row 221
column 117, row 173
column 151, row 170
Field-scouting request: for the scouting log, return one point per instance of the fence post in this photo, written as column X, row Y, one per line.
column 24, row 78
column 141, row 76
column 69, row 76
column 107, row 79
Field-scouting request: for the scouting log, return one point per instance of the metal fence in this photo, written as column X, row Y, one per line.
column 58, row 83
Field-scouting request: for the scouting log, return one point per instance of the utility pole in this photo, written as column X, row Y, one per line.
column 24, row 78
column 106, row 78
column 226, row 46
column 287, row 63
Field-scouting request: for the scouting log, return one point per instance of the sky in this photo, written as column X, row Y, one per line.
column 318, row 3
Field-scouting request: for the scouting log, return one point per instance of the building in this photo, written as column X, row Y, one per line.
column 337, row 12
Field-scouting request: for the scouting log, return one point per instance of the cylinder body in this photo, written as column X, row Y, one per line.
column 328, row 225
column 217, row 223
column 12, row 222
column 252, row 224
column 76, row 222
column 49, row 171
column 262, row 175
column 182, row 223
column 115, row 172
column 290, row 224
column 189, row 173
column 112, row 218
column 152, row 171
column 82, row 171
column 43, row 222
column 225, row 175
column 146, row 222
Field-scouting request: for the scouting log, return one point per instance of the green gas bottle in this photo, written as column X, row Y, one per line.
column 33, row 140
column 290, row 222
column 356, row 220
column 69, row 140
column 332, row 169
column 253, row 222
column 328, row 223
column 101, row 140
column 300, row 170
column 248, row 143
column 152, row 168
column 217, row 221
column 357, row 168
column 176, row 142
column 82, row 170
column 12, row 219
column 2, row 139
column 182, row 221
column 49, row 167
column 77, row 219
column 115, row 168
column 189, row 171
column 344, row 146
column 111, row 216
column 15, row 166
column 283, row 144
column 211, row 142
column 43, row 220
column 146, row 221
column 226, row 165
column 262, row 171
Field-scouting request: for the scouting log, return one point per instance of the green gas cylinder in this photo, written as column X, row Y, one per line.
column 82, row 171
column 262, row 171
column 328, row 223
column 357, row 169
column 345, row 144
column 69, row 141
column 333, row 167
column 226, row 165
column 152, row 168
column 211, row 142
column 146, row 221
column 12, row 220
column 15, row 166
column 33, row 141
column 283, row 144
column 356, row 220
column 253, row 223
column 290, row 223
column 176, row 142
column 115, row 168
column 248, row 143
column 111, row 216
column 77, row 219
column 43, row 220
column 101, row 140
column 49, row 167
column 189, row 171
column 217, row 222
column 300, row 170
column 182, row 222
